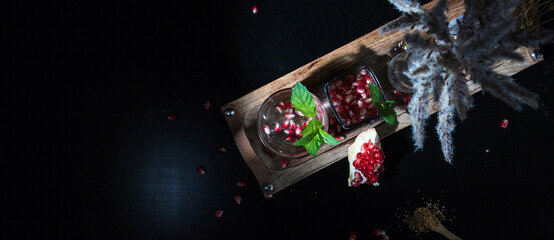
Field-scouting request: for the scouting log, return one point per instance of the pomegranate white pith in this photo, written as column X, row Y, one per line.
column 365, row 158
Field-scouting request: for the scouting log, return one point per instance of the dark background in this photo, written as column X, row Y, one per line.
column 88, row 150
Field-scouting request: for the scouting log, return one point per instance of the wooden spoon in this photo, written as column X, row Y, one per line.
column 426, row 218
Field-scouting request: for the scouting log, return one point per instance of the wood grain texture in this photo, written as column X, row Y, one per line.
column 371, row 50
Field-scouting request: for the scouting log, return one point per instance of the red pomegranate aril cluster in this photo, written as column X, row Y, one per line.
column 351, row 99
column 369, row 161
column 293, row 122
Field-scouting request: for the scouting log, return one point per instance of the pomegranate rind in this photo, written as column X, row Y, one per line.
column 368, row 136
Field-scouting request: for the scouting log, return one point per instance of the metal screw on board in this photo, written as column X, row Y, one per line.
column 269, row 188
column 536, row 54
column 229, row 112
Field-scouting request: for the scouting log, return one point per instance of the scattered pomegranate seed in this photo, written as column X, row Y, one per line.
column 172, row 116
column 504, row 123
column 284, row 163
column 207, row 105
column 255, row 9
column 396, row 93
column 267, row 130
column 407, row 98
column 222, row 149
column 340, row 137
column 218, row 214
column 352, row 236
column 241, row 183
column 201, row 169
column 238, row 199
column 379, row 232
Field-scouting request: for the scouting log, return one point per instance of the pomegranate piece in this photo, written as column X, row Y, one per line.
column 238, row 199
column 207, row 105
column 172, row 116
column 201, row 169
column 241, row 184
column 365, row 157
column 504, row 123
column 218, row 214
column 352, row 236
column 222, row 149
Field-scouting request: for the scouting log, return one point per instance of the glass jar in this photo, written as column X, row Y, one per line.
column 350, row 99
column 280, row 125
column 397, row 66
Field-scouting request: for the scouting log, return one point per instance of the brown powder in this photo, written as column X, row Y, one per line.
column 433, row 209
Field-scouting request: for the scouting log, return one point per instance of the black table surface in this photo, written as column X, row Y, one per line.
column 89, row 151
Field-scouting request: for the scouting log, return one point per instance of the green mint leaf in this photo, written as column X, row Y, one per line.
column 376, row 94
column 327, row 138
column 306, row 138
column 312, row 126
column 387, row 104
column 388, row 114
column 303, row 101
column 313, row 146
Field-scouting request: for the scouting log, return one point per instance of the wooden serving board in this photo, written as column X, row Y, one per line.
column 373, row 50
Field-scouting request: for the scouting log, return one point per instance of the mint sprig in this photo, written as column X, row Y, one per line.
column 313, row 135
column 385, row 109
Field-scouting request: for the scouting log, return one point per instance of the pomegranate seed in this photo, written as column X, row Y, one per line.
column 304, row 124
column 360, row 104
column 360, row 90
column 222, row 149
column 287, row 131
column 289, row 115
column 340, row 137
column 504, row 123
column 238, row 199
column 407, row 98
column 298, row 131
column 279, row 109
column 364, row 71
column 286, row 123
column 277, row 128
column 379, row 232
column 291, row 124
column 396, row 93
column 267, row 130
column 207, row 105
column 218, row 214
column 241, row 184
column 282, row 105
column 201, row 169
column 352, row 236
column 255, row 9
column 172, row 116
column 284, row 163
column 289, row 110
column 290, row 138
column 299, row 113
column 363, row 95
